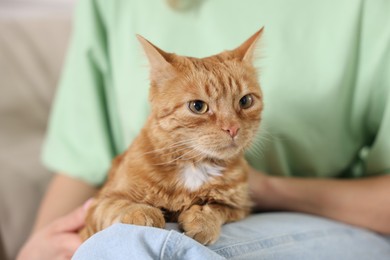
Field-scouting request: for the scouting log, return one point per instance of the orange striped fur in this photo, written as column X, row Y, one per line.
column 183, row 166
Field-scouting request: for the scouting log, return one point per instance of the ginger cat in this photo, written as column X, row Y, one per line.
column 187, row 164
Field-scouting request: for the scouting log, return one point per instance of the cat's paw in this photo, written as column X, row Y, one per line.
column 144, row 215
column 201, row 224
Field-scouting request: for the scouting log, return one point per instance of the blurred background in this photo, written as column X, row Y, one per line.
column 34, row 36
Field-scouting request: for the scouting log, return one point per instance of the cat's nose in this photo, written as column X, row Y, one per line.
column 231, row 130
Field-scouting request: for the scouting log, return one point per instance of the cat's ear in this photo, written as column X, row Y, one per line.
column 159, row 60
column 246, row 51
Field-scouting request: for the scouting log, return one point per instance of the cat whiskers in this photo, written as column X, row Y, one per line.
column 210, row 151
column 182, row 157
column 263, row 137
column 183, row 144
column 256, row 149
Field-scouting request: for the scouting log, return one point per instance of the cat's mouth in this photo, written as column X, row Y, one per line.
column 231, row 146
column 226, row 151
column 220, row 150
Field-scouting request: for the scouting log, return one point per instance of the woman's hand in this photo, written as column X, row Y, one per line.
column 57, row 240
column 354, row 201
column 260, row 190
column 55, row 234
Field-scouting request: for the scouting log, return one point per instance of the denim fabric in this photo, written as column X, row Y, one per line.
column 125, row 242
column 261, row 236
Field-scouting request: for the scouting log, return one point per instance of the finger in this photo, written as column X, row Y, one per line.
column 88, row 203
column 65, row 244
column 70, row 222
column 73, row 242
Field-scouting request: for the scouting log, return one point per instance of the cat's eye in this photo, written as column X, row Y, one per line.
column 198, row 106
column 246, row 101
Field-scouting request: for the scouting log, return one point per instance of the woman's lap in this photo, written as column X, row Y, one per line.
column 260, row 236
column 298, row 236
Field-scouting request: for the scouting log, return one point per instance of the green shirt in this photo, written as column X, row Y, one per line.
column 324, row 69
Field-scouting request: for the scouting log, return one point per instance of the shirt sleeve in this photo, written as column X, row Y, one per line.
column 376, row 58
column 79, row 140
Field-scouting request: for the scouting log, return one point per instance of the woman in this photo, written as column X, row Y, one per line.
column 326, row 82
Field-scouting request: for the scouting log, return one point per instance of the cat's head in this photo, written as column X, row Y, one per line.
column 211, row 105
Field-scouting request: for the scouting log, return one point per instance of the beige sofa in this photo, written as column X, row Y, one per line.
column 33, row 39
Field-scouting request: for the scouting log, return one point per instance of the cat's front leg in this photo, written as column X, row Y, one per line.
column 143, row 215
column 109, row 210
column 203, row 222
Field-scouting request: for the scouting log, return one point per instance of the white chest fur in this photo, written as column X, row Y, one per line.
column 194, row 176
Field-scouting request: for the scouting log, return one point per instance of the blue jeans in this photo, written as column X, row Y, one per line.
column 261, row 236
